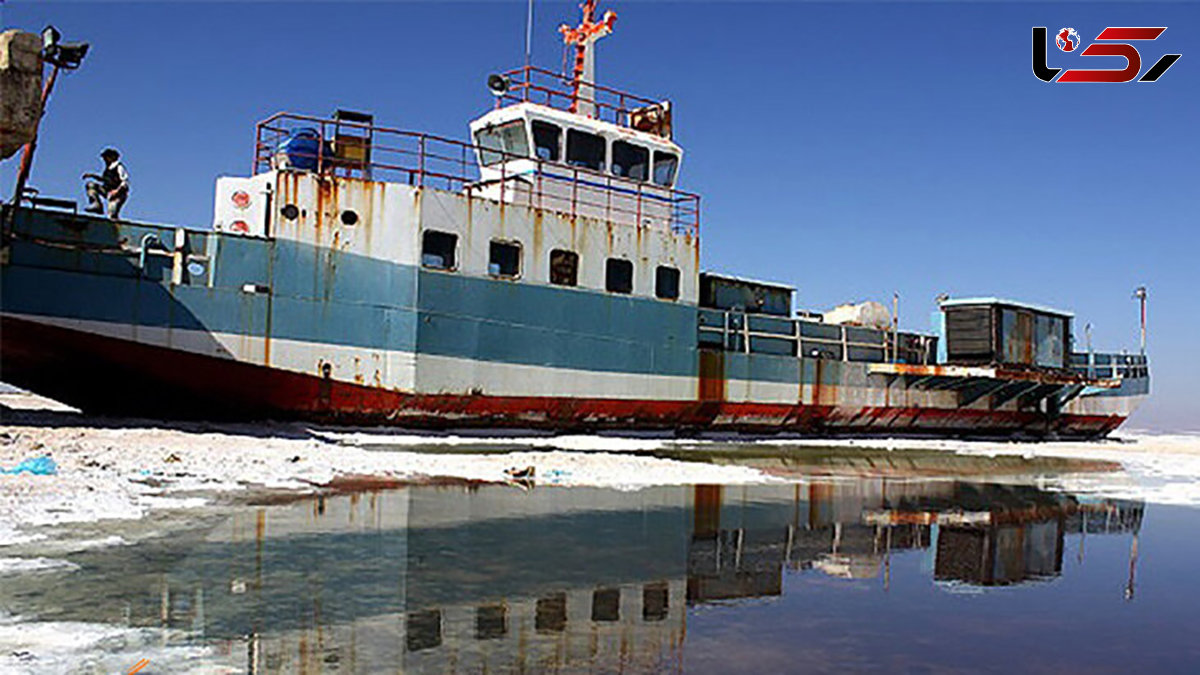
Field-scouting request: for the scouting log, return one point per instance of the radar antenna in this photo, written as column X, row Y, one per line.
column 583, row 37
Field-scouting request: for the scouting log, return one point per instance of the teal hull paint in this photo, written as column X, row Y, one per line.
column 496, row 320
column 328, row 297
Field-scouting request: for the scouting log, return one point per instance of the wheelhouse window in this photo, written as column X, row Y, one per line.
column 630, row 161
column 547, row 141
column 502, row 141
column 585, row 150
column 504, row 259
column 665, row 164
column 438, row 249
column 618, row 276
column 564, row 267
column 666, row 283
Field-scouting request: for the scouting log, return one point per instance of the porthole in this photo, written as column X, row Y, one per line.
column 290, row 211
column 349, row 217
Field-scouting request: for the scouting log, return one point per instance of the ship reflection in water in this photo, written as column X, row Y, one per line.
column 490, row 578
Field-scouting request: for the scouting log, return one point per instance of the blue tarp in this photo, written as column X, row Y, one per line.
column 38, row 466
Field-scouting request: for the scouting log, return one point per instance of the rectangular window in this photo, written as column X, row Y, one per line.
column 654, row 602
column 504, row 259
column 547, row 141
column 618, row 276
column 585, row 150
column 666, row 283
column 550, row 614
column 491, row 622
column 629, row 160
column 423, row 630
column 606, row 604
column 495, row 141
column 564, row 267
column 664, row 168
column 437, row 250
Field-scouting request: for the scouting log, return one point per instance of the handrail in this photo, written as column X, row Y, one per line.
column 546, row 87
column 428, row 160
column 736, row 335
column 1110, row 365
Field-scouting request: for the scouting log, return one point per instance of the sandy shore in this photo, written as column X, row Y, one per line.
column 127, row 468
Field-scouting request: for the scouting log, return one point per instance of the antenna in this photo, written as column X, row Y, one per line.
column 1139, row 294
column 528, row 33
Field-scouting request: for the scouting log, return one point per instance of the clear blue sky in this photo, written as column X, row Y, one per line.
column 851, row 149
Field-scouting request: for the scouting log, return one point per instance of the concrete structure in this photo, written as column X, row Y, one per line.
column 20, row 89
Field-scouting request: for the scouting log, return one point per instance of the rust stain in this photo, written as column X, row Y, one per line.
column 470, row 218
column 537, row 234
column 816, row 386
column 706, row 503
column 712, row 375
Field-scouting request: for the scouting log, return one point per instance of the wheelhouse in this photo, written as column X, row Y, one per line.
column 521, row 139
column 604, row 154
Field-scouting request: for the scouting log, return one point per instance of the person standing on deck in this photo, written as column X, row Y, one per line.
column 112, row 185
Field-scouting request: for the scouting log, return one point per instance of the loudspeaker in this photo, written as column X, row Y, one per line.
column 497, row 84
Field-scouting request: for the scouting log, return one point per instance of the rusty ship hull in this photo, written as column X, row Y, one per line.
column 330, row 323
column 545, row 275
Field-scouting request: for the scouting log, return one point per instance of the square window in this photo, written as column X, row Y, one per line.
column 437, row 250
column 550, row 616
column 504, row 259
column 618, row 276
column 666, row 283
column 564, row 267
column 424, row 630
column 491, row 622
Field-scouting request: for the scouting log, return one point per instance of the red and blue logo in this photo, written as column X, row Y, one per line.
column 1112, row 41
column 1067, row 39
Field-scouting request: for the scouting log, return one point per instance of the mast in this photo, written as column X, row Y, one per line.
column 584, row 37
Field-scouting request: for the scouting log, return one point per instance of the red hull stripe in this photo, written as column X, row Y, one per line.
column 108, row 375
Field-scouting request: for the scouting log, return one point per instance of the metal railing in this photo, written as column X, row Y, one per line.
column 555, row 90
column 425, row 160
column 1096, row 365
column 765, row 334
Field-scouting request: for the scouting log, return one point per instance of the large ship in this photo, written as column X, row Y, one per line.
column 544, row 275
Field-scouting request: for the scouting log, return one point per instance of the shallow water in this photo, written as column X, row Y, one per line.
column 888, row 573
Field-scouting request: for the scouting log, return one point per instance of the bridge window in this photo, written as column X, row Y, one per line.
column 665, row 164
column 495, row 141
column 585, row 150
column 437, row 250
column 666, row 283
column 547, row 141
column 630, row 161
column 564, row 267
column 504, row 259
column 618, row 276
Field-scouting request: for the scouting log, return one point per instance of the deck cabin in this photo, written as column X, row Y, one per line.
column 535, row 154
column 544, row 195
